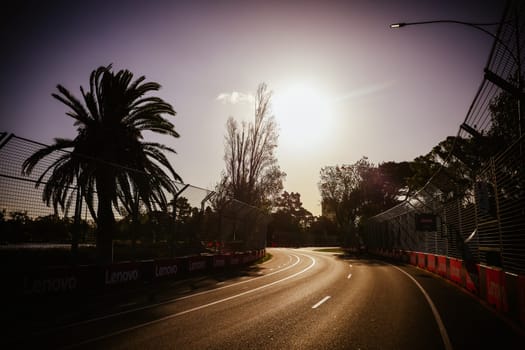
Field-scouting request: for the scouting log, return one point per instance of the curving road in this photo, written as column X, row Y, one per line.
column 300, row 299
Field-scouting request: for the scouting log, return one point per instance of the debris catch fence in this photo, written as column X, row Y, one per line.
column 192, row 222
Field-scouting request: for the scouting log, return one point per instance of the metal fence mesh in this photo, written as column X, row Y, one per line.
column 190, row 224
column 485, row 221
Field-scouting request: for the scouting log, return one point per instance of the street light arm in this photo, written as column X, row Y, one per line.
column 478, row 26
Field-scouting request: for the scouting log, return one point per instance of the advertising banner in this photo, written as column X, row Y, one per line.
column 167, row 268
column 122, row 274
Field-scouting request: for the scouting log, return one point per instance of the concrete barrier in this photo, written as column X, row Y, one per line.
column 455, row 270
column 496, row 289
column 422, row 260
column 442, row 266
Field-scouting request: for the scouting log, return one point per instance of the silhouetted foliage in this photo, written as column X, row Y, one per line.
column 290, row 221
column 108, row 159
column 355, row 192
column 252, row 174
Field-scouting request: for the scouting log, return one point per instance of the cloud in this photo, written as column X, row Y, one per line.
column 366, row 90
column 235, row 97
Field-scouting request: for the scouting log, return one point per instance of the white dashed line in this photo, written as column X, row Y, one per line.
column 321, row 302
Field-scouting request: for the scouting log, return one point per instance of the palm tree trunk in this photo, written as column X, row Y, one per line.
column 106, row 221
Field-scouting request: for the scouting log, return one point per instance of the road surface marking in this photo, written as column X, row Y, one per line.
column 165, row 318
column 349, row 276
column 321, row 302
column 169, row 301
column 441, row 326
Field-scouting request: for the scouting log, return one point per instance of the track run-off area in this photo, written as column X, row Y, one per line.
column 299, row 299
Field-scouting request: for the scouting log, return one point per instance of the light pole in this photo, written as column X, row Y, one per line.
column 489, row 75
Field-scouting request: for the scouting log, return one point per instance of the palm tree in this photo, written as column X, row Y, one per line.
column 108, row 159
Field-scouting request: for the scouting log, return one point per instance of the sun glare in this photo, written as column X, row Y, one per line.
column 304, row 116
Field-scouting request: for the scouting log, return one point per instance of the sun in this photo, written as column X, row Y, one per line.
column 304, row 115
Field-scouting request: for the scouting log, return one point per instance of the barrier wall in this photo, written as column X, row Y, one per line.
column 92, row 278
column 503, row 291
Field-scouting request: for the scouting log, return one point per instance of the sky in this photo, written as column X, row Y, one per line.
column 344, row 84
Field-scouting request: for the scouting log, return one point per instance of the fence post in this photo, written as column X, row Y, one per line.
column 498, row 215
column 76, row 225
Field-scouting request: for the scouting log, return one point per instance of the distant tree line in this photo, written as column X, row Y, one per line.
column 352, row 193
column 116, row 171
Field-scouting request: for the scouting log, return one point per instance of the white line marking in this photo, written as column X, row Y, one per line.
column 165, row 318
column 169, row 301
column 321, row 302
column 349, row 276
column 441, row 326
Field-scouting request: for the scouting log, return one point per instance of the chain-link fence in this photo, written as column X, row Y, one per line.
column 474, row 206
column 191, row 223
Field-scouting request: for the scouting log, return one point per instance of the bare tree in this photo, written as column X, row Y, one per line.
column 252, row 174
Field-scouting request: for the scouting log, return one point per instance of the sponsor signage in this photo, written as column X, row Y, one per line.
column 121, row 274
column 169, row 268
column 197, row 264
column 49, row 284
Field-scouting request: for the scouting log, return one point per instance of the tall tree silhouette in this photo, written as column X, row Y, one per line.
column 108, row 159
column 252, row 173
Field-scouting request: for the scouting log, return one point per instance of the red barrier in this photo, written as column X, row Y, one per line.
column 496, row 292
column 442, row 266
column 472, row 285
column 421, row 260
column 413, row 258
column 521, row 298
column 455, row 270
column 431, row 262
